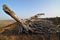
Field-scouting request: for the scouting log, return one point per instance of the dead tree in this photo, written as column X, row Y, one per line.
column 13, row 15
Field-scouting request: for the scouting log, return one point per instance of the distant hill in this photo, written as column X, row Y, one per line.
column 55, row 20
column 6, row 22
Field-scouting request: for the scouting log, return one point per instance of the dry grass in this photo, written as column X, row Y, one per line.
column 22, row 37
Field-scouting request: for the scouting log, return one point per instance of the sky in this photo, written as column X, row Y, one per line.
column 28, row 8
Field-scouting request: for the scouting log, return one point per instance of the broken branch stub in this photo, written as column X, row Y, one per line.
column 11, row 13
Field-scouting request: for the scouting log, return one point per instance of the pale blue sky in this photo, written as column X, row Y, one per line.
column 28, row 8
